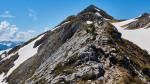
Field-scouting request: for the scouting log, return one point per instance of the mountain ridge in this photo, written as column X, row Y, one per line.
column 85, row 48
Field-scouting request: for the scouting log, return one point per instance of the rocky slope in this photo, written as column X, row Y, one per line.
column 83, row 49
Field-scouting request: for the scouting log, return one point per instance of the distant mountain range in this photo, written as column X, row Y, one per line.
column 88, row 48
column 9, row 44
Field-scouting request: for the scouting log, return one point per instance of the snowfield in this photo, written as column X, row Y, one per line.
column 141, row 36
column 24, row 53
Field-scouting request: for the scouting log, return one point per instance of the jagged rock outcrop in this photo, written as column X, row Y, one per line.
column 84, row 49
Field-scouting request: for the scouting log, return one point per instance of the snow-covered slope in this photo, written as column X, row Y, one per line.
column 24, row 53
column 122, row 23
column 138, row 36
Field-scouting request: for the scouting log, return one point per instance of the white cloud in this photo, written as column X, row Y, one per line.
column 9, row 32
column 24, row 35
column 4, row 25
column 7, row 14
column 32, row 14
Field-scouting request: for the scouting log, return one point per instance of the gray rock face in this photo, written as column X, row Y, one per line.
column 84, row 49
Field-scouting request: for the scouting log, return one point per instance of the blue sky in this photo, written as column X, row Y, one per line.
column 32, row 17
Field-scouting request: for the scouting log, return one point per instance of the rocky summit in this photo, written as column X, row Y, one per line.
column 83, row 49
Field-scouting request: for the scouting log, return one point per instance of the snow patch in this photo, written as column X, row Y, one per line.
column 124, row 22
column 2, row 78
column 89, row 22
column 97, row 9
column 24, row 53
column 138, row 36
column 98, row 14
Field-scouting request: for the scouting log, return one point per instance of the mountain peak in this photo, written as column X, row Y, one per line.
column 92, row 7
column 145, row 14
column 95, row 10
